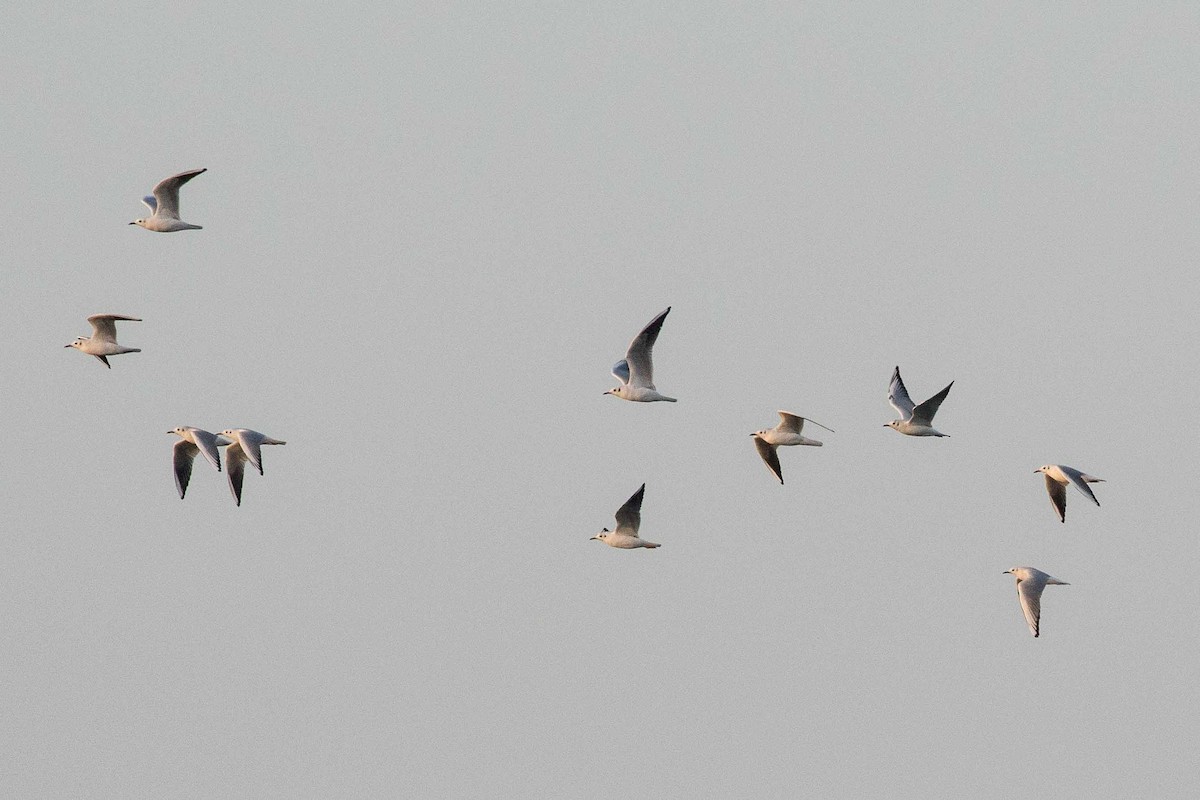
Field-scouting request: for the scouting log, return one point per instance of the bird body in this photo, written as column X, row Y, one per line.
column 1057, row 478
column 786, row 433
column 915, row 420
column 629, row 520
column 164, row 205
column 103, row 341
column 1030, row 583
column 636, row 370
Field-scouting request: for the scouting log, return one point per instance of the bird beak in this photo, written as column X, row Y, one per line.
column 133, row 223
column 594, row 538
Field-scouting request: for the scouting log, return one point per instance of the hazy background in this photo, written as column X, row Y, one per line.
column 431, row 229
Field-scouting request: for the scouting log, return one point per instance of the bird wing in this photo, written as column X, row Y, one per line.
column 1058, row 497
column 104, row 326
column 1077, row 480
column 629, row 516
column 166, row 193
column 1030, row 593
column 641, row 367
column 207, row 443
column 250, row 442
column 620, row 371
column 185, row 453
column 150, row 203
column 794, row 423
column 770, row 456
column 898, row 396
column 923, row 414
column 235, row 465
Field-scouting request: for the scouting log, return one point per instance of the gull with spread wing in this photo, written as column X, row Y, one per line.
column 636, row 370
column 629, row 519
column 164, row 205
column 1030, row 583
column 103, row 341
column 1057, row 478
column 193, row 441
column 245, row 447
column 787, row 432
column 914, row 420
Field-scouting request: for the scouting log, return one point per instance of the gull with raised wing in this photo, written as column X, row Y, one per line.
column 914, row 420
column 629, row 519
column 164, row 205
column 636, row 370
column 103, row 341
column 1057, row 478
column 787, row 432
column 193, row 441
column 1030, row 583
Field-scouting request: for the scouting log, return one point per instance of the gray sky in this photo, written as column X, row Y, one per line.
column 429, row 231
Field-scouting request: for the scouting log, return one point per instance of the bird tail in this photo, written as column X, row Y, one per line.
column 651, row 545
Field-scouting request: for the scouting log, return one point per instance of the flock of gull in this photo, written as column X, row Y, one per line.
column 636, row 374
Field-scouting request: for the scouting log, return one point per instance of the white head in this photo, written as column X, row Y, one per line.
column 1042, row 468
column 603, row 534
column 178, row 431
column 617, row 392
column 893, row 424
column 1017, row 572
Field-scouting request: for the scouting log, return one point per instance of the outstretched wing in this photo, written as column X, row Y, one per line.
column 794, row 423
column 235, row 466
column 207, row 443
column 1077, row 480
column 637, row 357
column 1058, row 497
column 923, row 414
column 620, row 371
column 898, row 396
column 1030, row 593
column 150, row 203
column 770, row 456
column 629, row 516
column 185, row 454
column 104, row 326
column 166, row 193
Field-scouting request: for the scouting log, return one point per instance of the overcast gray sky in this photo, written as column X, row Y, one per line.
column 429, row 230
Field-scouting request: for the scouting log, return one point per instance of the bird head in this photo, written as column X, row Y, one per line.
column 602, row 535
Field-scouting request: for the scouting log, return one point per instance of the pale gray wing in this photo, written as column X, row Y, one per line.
column 235, row 466
column 1077, row 480
column 620, row 371
column 184, row 455
column 898, row 396
column 770, row 456
column 1030, row 593
column 923, row 414
column 629, row 516
column 208, row 443
column 250, row 442
column 1058, row 497
column 795, row 423
column 166, row 193
column 104, row 326
column 641, row 367
column 150, row 203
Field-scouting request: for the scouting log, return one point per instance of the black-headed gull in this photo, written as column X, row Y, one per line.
column 629, row 519
column 103, row 341
column 193, row 441
column 245, row 447
column 787, row 432
column 164, row 205
column 1057, row 478
column 1030, row 583
column 914, row 420
column 636, row 370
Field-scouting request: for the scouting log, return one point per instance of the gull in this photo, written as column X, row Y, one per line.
column 1057, row 478
column 636, row 370
column 164, row 205
column 249, row 442
column 787, row 432
column 193, row 441
column 914, row 420
column 103, row 341
column 629, row 519
column 244, row 447
column 1030, row 583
